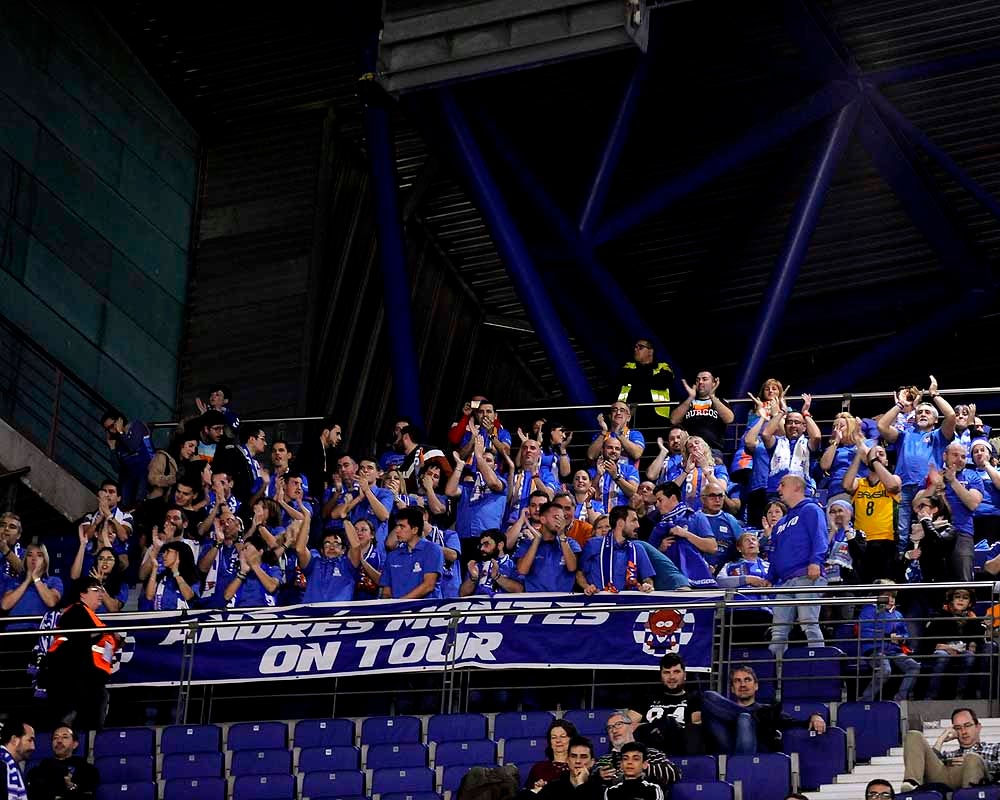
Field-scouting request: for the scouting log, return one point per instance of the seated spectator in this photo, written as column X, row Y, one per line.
column 839, row 454
column 556, row 761
column 372, row 560
column 917, row 448
column 616, row 426
column 744, row 726
column 219, row 399
column 481, row 495
column 494, row 572
column 791, row 438
column 702, row 413
column 684, row 535
column 11, row 550
column 877, row 789
column 131, row 451
column 608, row 768
column 548, row 562
column 700, row 468
column 646, row 380
column 332, row 572
column 956, row 635
column 414, row 567
column 176, row 585
column 602, row 525
column 110, row 520
column 33, row 594
column 615, row 482
column 108, row 570
column 671, row 717
column 971, row 764
column 63, row 775
column 485, row 424
column 884, row 636
column 669, row 462
column 587, row 506
column 575, row 782
column 219, row 557
column 529, row 477
column 749, row 569
column 616, row 562
column 166, row 464
column 987, row 514
column 725, row 527
column 875, row 499
column 258, row 579
column 633, row 783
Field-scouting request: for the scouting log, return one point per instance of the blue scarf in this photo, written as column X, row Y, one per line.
column 608, row 566
column 685, row 555
column 16, row 789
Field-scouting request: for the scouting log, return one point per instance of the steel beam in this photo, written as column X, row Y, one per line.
column 911, row 131
column 757, row 140
column 935, row 69
column 515, row 254
column 803, row 224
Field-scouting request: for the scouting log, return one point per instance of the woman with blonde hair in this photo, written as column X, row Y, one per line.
column 839, row 453
column 699, row 469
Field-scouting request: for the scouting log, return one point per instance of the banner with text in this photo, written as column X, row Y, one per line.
column 549, row 630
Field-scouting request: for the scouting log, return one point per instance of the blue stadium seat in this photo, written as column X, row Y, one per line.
column 411, row 796
column 762, row 662
column 142, row 790
column 804, row 709
column 261, row 762
column 601, row 744
column 521, row 724
column 821, row 758
column 257, row 736
column 451, row 777
column 192, row 788
column 329, row 759
column 591, row 722
column 876, row 726
column 333, row 785
column 191, row 739
column 191, row 765
column 264, row 787
column 475, row 753
column 921, row 795
column 324, row 733
column 456, row 727
column 812, row 673
column 413, row 779
column 392, row 730
column 697, row 769
column 404, row 754
column 977, row 793
column 125, row 742
column 125, row 769
column 707, row 790
column 524, row 752
column 765, row 776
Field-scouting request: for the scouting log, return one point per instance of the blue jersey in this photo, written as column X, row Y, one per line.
column 479, row 507
column 842, row 460
column 548, row 571
column 741, row 568
column 695, row 482
column 917, row 451
column 451, row 576
column 581, row 510
column 506, row 567
column 990, row 507
column 961, row 517
column 673, row 465
column 251, row 592
column 31, row 603
column 523, row 481
column 366, row 588
column 329, row 580
column 726, row 530
column 609, row 492
column 607, row 563
column 406, row 566
column 631, row 435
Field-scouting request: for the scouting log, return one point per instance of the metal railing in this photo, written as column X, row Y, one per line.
column 456, row 687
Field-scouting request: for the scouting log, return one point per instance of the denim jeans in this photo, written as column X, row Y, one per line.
column 806, row 615
column 882, row 667
column 731, row 725
column 905, row 517
column 963, row 664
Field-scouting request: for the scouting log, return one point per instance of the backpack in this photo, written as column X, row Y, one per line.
column 490, row 783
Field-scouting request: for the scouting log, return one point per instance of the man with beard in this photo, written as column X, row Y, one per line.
column 657, row 768
column 671, row 721
column 495, row 572
column 63, row 775
column 616, row 562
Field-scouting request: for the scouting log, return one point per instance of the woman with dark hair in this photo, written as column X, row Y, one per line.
column 167, row 463
column 176, row 585
column 106, row 568
column 258, row 579
column 557, row 753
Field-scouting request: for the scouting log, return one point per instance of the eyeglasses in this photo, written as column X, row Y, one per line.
column 880, row 795
column 716, row 495
column 615, row 725
column 964, row 727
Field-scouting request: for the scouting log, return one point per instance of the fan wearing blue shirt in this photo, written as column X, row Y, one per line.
column 615, row 482
column 481, row 493
column 333, row 571
column 633, row 443
column 529, row 478
column 616, row 562
column 485, row 424
column 669, row 462
column 791, row 439
column 257, row 581
column 916, row 449
column 413, row 568
column 725, row 528
column 987, row 516
column 451, row 549
column 678, row 523
column 548, row 561
column 494, row 572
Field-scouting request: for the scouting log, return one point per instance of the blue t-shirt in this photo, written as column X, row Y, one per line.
column 916, row 452
column 605, row 561
column 329, row 580
column 479, row 508
column 451, row 576
column 673, row 465
column 251, row 593
column 842, row 460
column 761, row 467
column 521, row 499
column 31, row 603
column 961, row 517
column 694, row 483
column 406, row 566
column 167, row 596
column 726, row 530
column 697, row 523
column 581, row 509
column 365, row 588
column 507, row 568
column 609, row 492
column 990, row 507
column 633, row 436
column 502, row 434
column 548, row 570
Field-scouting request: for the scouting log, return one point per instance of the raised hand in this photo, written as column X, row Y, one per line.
column 932, row 389
column 806, row 402
column 522, row 436
column 661, row 444
column 602, row 423
column 473, row 568
column 758, row 404
column 692, row 391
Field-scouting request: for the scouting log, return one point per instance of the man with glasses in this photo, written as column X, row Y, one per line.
column 632, row 442
column 608, row 768
column 725, row 527
column 11, row 551
column 973, row 762
column 645, row 380
column 879, row 789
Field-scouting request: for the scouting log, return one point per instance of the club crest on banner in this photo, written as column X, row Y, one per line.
column 124, row 653
column 662, row 631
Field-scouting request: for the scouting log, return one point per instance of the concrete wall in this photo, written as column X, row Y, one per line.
column 98, row 175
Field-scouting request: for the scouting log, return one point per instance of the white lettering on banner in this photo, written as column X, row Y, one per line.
column 414, row 649
column 417, row 620
column 279, row 660
column 282, row 659
column 318, row 658
column 371, row 648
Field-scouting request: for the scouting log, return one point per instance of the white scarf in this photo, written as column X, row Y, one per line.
column 16, row 789
column 793, row 462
